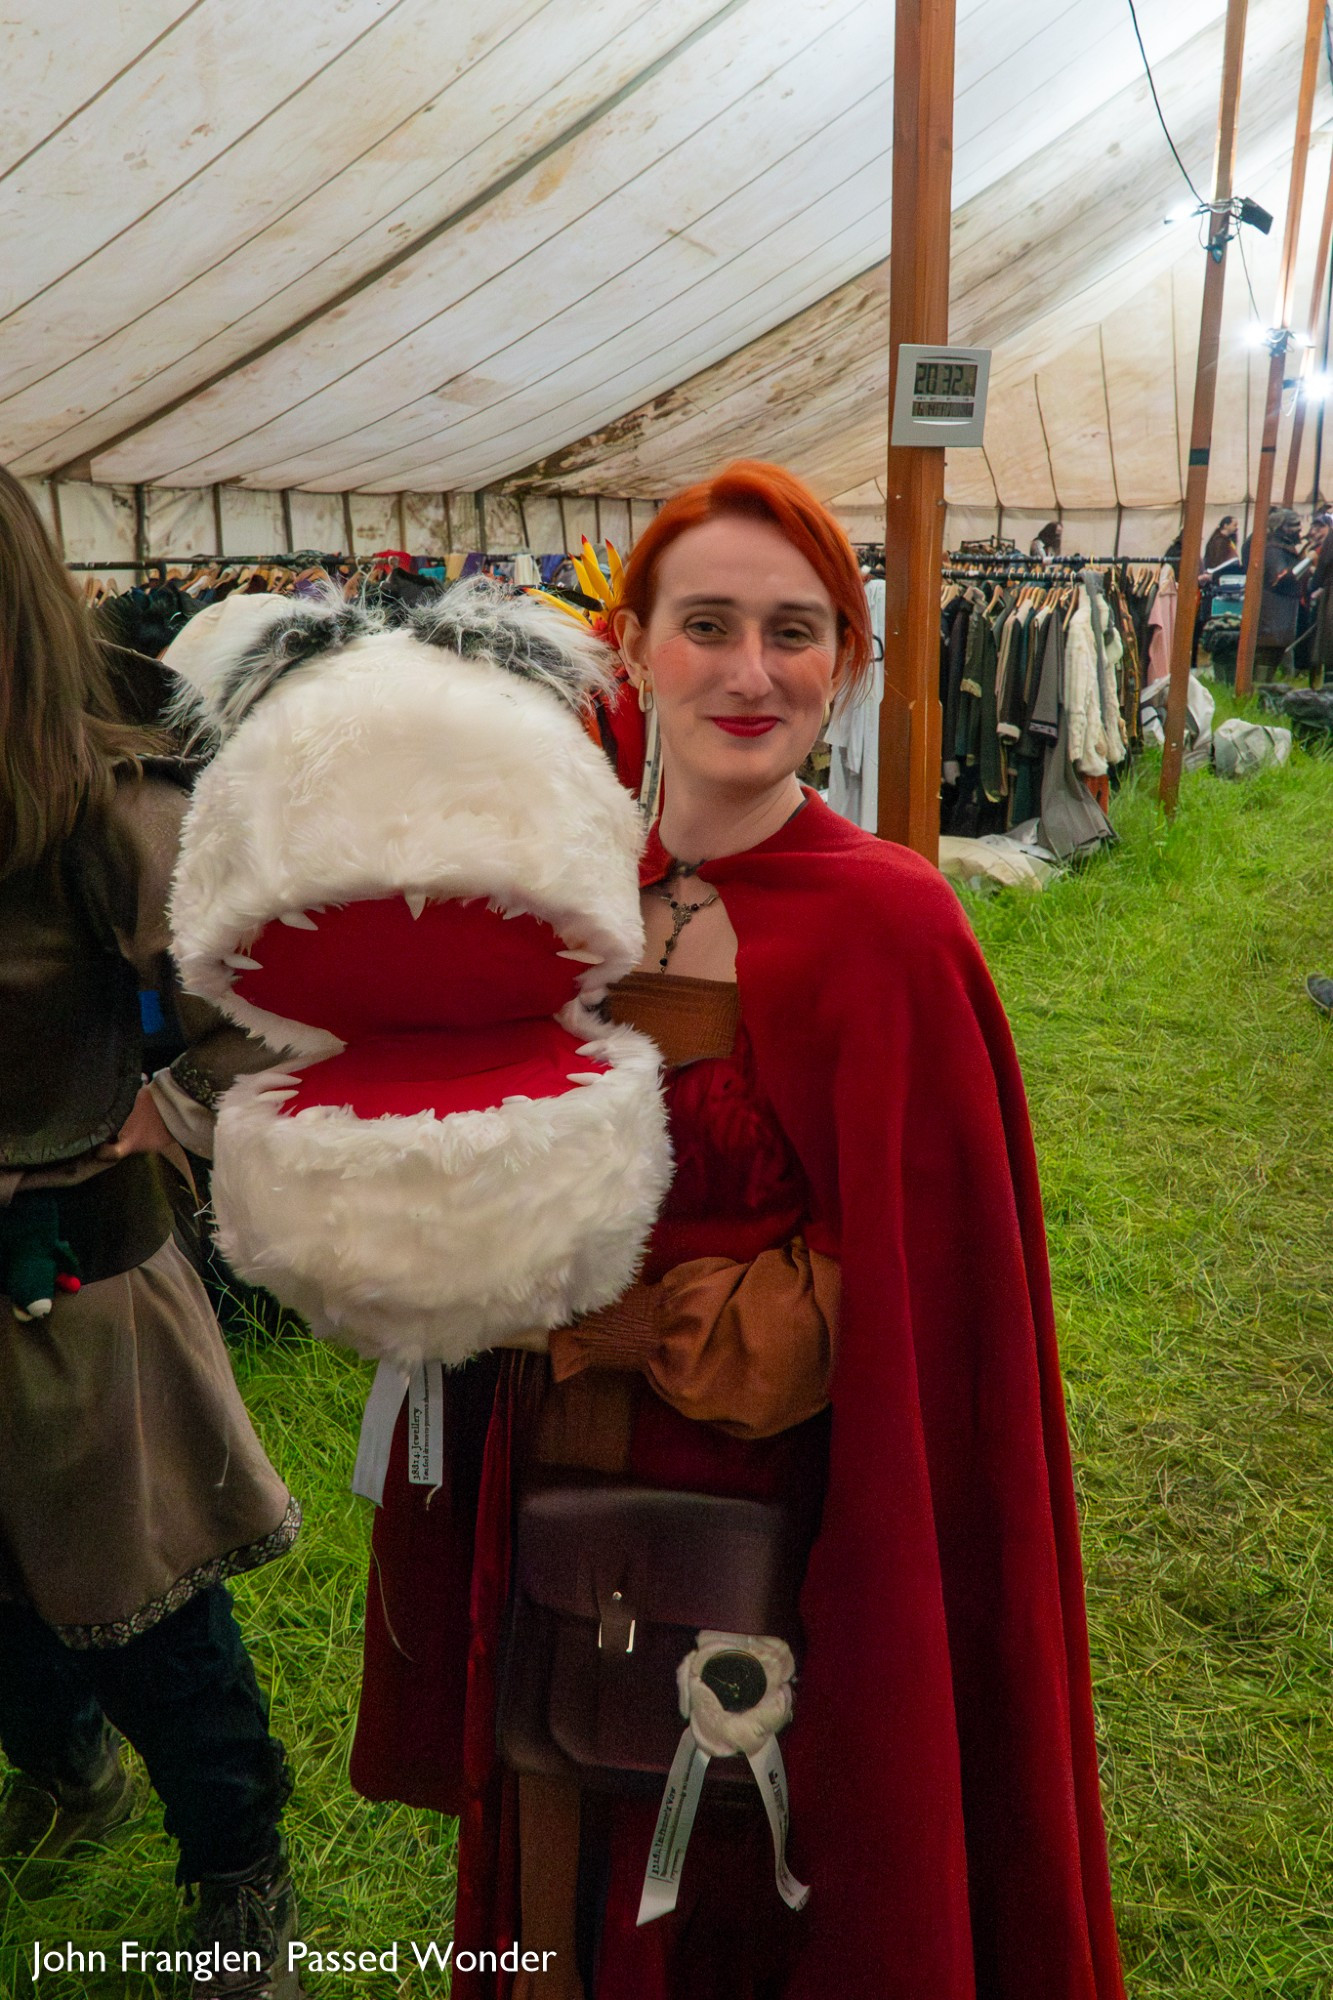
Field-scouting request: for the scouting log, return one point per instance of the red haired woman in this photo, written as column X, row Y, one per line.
column 845, row 1308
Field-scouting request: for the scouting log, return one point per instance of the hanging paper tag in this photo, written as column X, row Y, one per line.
column 425, row 1426
column 671, row 1835
column 377, row 1427
column 771, row 1775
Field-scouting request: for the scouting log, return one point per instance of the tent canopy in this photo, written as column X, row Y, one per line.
column 390, row 247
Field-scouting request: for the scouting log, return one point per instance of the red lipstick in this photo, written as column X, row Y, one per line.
column 745, row 725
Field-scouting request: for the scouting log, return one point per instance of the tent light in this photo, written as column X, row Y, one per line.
column 1182, row 212
column 1257, row 335
column 1317, row 388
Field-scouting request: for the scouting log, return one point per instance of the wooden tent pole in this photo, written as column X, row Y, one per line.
column 910, row 722
column 1277, row 364
column 1312, row 324
column 1205, row 394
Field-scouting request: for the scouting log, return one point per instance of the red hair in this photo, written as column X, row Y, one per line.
column 757, row 491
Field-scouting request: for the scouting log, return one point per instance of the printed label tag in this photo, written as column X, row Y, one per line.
column 425, row 1426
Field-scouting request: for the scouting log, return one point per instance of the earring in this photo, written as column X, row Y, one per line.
column 828, row 712
column 645, row 696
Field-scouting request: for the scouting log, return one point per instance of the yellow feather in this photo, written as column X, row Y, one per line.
column 599, row 587
column 562, row 604
column 617, row 569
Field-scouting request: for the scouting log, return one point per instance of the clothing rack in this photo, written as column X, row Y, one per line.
column 1063, row 570
column 304, row 561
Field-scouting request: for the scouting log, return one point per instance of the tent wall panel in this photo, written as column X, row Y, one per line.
column 317, row 522
column 615, row 522
column 179, row 521
column 374, row 522
column 252, row 523
column 504, row 524
column 541, row 511
column 641, row 513
column 969, row 524
column 425, row 518
column 98, row 522
column 39, row 492
column 581, row 519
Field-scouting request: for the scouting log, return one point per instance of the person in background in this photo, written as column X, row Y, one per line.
column 1047, row 544
column 131, row 1479
column 1282, row 590
column 1319, row 645
column 1220, row 549
column 1221, row 545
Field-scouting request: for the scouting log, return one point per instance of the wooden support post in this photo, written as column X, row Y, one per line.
column 1312, row 327
column 1277, row 365
column 910, row 723
column 1205, row 392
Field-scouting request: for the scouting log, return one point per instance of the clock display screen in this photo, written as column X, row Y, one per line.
column 944, row 390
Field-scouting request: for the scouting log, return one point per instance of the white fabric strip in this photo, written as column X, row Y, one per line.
column 377, row 1425
column 425, row 1426
column 771, row 1775
column 671, row 1835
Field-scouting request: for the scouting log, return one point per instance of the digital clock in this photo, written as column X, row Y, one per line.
column 940, row 398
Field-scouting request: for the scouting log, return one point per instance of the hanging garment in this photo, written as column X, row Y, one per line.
column 1092, row 655
column 853, row 734
column 1071, row 820
column 1162, row 625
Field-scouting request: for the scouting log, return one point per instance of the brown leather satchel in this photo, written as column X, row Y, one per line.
column 612, row 1585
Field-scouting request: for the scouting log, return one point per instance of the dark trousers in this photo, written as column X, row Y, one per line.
column 184, row 1694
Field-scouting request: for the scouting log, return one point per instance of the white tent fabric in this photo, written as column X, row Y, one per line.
column 444, row 259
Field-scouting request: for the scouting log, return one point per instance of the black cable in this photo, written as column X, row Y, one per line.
column 1147, row 71
column 1244, row 265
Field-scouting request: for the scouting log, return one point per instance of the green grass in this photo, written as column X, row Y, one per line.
column 1182, row 1091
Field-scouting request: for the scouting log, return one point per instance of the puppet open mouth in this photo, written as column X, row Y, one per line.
column 443, row 1006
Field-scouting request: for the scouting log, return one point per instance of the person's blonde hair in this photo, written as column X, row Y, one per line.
column 62, row 738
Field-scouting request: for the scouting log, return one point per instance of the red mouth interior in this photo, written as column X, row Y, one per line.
column 451, row 1011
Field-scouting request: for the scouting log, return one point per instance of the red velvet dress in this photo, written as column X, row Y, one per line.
column 738, row 1189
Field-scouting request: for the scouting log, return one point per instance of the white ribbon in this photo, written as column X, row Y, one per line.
column 424, row 1391
column 713, row 1731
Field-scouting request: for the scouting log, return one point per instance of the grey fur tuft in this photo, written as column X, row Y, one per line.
column 302, row 635
column 520, row 634
column 478, row 620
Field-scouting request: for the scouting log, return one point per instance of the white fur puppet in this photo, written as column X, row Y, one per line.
column 409, row 867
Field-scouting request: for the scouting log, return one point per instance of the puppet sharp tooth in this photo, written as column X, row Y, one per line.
column 240, row 963
column 516, row 1098
column 583, row 957
column 509, row 915
column 587, row 1049
column 416, row 902
column 584, row 1075
column 297, row 920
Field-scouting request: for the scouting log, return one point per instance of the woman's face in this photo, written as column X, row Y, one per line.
column 739, row 650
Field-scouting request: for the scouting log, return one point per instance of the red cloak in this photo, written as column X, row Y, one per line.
column 943, row 1768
